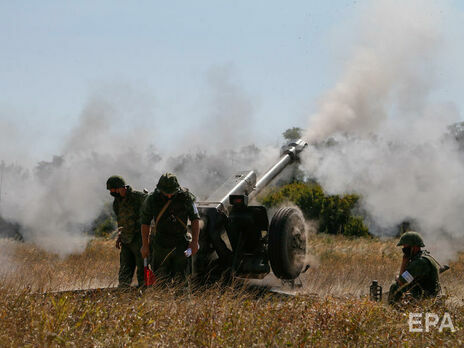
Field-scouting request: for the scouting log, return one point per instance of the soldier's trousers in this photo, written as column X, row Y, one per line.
column 169, row 263
column 414, row 290
column 394, row 295
column 130, row 258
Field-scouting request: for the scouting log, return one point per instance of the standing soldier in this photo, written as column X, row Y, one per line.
column 419, row 271
column 169, row 206
column 127, row 205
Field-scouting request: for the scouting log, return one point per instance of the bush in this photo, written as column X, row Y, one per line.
column 105, row 223
column 332, row 211
column 105, row 228
column 355, row 227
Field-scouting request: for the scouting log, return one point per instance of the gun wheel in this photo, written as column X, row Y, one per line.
column 287, row 243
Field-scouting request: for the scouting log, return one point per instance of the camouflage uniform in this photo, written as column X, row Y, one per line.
column 170, row 239
column 420, row 277
column 127, row 210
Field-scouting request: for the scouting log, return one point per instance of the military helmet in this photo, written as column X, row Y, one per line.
column 411, row 238
column 115, row 182
column 168, row 184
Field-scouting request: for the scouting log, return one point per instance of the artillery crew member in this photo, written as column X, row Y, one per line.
column 127, row 205
column 169, row 206
column 419, row 271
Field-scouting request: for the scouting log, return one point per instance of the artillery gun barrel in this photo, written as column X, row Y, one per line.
column 245, row 183
column 289, row 155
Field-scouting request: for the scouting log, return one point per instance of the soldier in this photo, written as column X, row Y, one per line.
column 419, row 271
column 127, row 205
column 169, row 206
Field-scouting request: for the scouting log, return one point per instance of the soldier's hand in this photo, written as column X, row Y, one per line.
column 118, row 241
column 145, row 251
column 194, row 247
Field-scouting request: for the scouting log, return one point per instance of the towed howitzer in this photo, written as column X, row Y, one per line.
column 236, row 239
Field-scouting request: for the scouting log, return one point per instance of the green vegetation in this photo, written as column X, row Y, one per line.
column 292, row 133
column 332, row 211
column 105, row 223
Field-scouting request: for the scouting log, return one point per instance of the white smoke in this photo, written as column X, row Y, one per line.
column 388, row 134
column 229, row 116
column 390, row 66
column 55, row 201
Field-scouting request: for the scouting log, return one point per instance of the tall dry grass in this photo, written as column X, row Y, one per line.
column 330, row 310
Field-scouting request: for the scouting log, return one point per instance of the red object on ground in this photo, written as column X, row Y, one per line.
column 148, row 274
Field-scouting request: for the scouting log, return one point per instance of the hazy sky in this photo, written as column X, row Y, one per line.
column 157, row 56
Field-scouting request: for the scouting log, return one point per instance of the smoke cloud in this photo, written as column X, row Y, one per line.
column 387, row 131
column 229, row 116
column 57, row 199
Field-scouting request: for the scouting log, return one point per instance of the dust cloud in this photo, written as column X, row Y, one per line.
column 380, row 131
column 55, row 201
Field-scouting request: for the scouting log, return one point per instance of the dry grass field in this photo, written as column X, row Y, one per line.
column 331, row 309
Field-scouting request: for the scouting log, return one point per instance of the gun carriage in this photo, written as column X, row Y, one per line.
column 236, row 239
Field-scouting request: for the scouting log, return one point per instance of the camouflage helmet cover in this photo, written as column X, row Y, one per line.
column 115, row 182
column 168, row 183
column 411, row 238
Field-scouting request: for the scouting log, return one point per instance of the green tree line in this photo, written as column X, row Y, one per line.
column 333, row 212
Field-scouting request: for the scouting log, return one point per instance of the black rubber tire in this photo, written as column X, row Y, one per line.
column 287, row 243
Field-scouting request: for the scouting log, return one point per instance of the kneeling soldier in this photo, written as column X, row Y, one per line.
column 419, row 271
